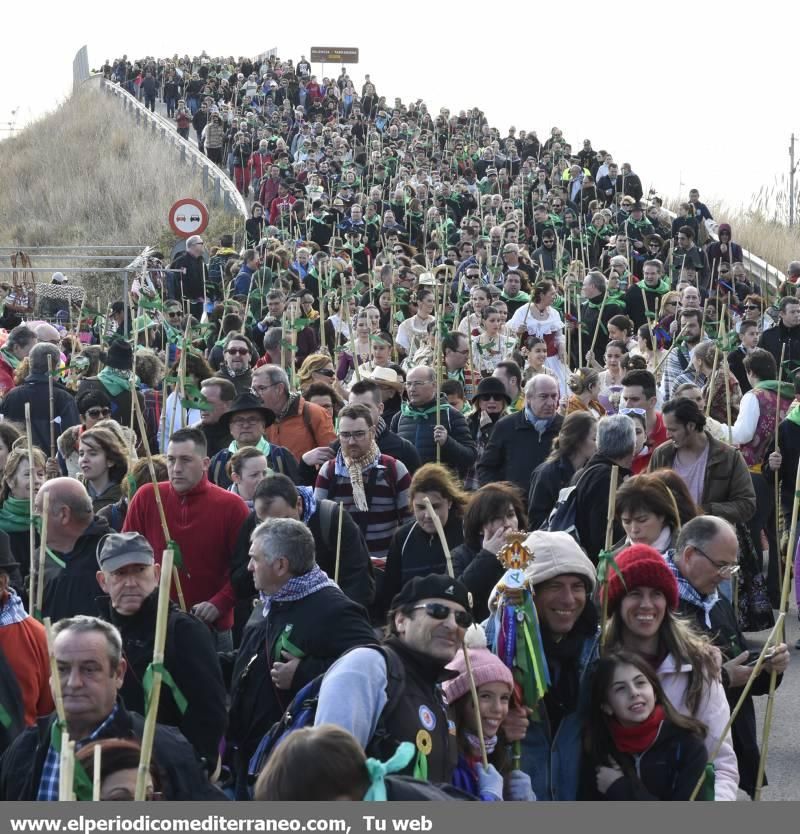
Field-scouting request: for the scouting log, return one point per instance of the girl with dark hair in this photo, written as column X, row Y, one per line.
column 638, row 747
column 103, row 463
column 492, row 512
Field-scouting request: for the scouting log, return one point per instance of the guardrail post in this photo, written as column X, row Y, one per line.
column 138, row 116
column 205, row 178
column 226, row 202
column 217, row 190
column 183, row 154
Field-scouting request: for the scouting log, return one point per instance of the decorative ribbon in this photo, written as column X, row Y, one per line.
column 82, row 784
column 5, row 717
column 379, row 770
column 606, row 562
column 147, row 683
column 178, row 556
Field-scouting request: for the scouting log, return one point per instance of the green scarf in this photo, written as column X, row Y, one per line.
column 786, row 389
column 15, row 516
column 407, row 410
column 115, row 381
column 262, row 446
column 10, row 358
column 794, row 414
column 520, row 296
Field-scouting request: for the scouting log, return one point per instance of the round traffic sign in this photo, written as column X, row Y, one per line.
column 188, row 217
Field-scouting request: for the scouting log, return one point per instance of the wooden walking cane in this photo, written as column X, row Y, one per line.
column 157, row 494
column 777, row 480
column 778, row 630
column 438, row 371
column 149, row 730
column 52, row 407
column 671, row 348
column 338, row 543
column 596, row 327
column 437, row 523
column 31, row 498
column 711, row 380
column 97, row 771
column 612, row 506
column 42, row 555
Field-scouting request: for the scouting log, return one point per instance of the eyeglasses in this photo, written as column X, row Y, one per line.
column 751, row 307
column 174, row 314
column 241, row 421
column 725, row 569
column 353, row 435
column 94, row 413
column 238, row 351
column 439, row 611
column 640, row 411
column 326, row 372
column 259, row 389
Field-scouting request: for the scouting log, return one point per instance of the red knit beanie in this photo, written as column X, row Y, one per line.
column 642, row 566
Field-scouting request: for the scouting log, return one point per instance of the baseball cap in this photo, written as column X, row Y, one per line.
column 120, row 549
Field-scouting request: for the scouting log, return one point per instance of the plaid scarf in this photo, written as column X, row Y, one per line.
column 298, row 587
column 12, row 610
column 688, row 593
column 354, row 468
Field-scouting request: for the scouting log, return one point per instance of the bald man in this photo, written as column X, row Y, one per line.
column 73, row 534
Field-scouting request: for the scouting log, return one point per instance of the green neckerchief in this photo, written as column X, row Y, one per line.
column 794, row 414
column 663, row 286
column 15, row 516
column 605, row 231
column 262, row 446
column 638, row 224
column 115, row 381
column 520, row 296
column 407, row 410
column 786, row 388
column 10, row 358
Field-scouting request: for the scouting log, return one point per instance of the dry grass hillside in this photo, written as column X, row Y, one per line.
column 87, row 174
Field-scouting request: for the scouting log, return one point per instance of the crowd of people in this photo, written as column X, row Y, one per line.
column 432, row 336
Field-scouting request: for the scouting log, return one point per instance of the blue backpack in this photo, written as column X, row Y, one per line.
column 302, row 711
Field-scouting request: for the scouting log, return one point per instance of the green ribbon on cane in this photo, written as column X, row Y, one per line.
column 606, row 562
column 82, row 784
column 147, row 684
column 177, row 560
column 5, row 717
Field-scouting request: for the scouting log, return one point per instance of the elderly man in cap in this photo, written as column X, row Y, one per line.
column 388, row 694
column 189, row 284
column 91, row 668
column 307, row 624
column 129, row 576
column 562, row 579
column 247, row 421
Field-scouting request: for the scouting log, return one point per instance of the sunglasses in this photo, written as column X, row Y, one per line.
column 325, row 372
column 94, row 413
column 439, row 611
column 640, row 411
column 173, row 315
column 237, row 351
column 493, row 397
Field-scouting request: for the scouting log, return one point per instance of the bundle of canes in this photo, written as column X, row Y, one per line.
column 148, row 733
column 437, row 523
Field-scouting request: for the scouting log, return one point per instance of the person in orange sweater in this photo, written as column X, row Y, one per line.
column 204, row 521
column 299, row 425
column 23, row 641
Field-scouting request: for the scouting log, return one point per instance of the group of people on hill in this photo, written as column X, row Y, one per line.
column 427, row 338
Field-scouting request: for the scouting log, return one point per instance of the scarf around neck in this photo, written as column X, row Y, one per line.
column 786, row 388
column 408, row 410
column 263, row 446
column 298, row 587
column 794, row 414
column 15, row 515
column 355, row 468
column 115, row 381
column 10, row 358
column 688, row 593
column 639, row 737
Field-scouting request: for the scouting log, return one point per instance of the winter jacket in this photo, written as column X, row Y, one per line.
column 728, row 489
column 318, row 628
column 458, row 451
column 6, row 377
column 21, row 766
column 635, row 302
column 480, row 571
column 190, row 657
column 592, row 487
column 547, row 480
column 278, row 460
column 774, row 338
column 205, row 523
column 515, row 449
column 415, row 553
column 713, row 711
column 189, row 285
column 728, row 637
column 304, row 427
column 35, row 390
column 71, row 588
column 667, row 770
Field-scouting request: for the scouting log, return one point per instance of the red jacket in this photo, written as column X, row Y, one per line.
column 24, row 645
column 6, row 377
column 205, row 522
column 654, row 440
column 279, row 203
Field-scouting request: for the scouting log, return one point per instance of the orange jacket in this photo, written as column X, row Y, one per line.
column 304, row 427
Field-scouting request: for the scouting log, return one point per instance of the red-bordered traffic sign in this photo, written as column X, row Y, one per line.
column 188, row 217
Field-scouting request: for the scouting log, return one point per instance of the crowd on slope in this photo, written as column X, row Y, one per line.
column 429, row 336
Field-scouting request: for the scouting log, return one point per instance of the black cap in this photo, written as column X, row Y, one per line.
column 491, row 385
column 433, row 586
column 247, row 401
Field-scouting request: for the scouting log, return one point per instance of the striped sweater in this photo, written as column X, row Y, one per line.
column 386, row 485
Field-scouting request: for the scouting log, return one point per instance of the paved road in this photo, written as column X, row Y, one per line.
column 784, row 744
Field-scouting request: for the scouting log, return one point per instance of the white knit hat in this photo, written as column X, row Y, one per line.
column 556, row 554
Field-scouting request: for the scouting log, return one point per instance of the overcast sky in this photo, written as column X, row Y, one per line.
column 703, row 96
